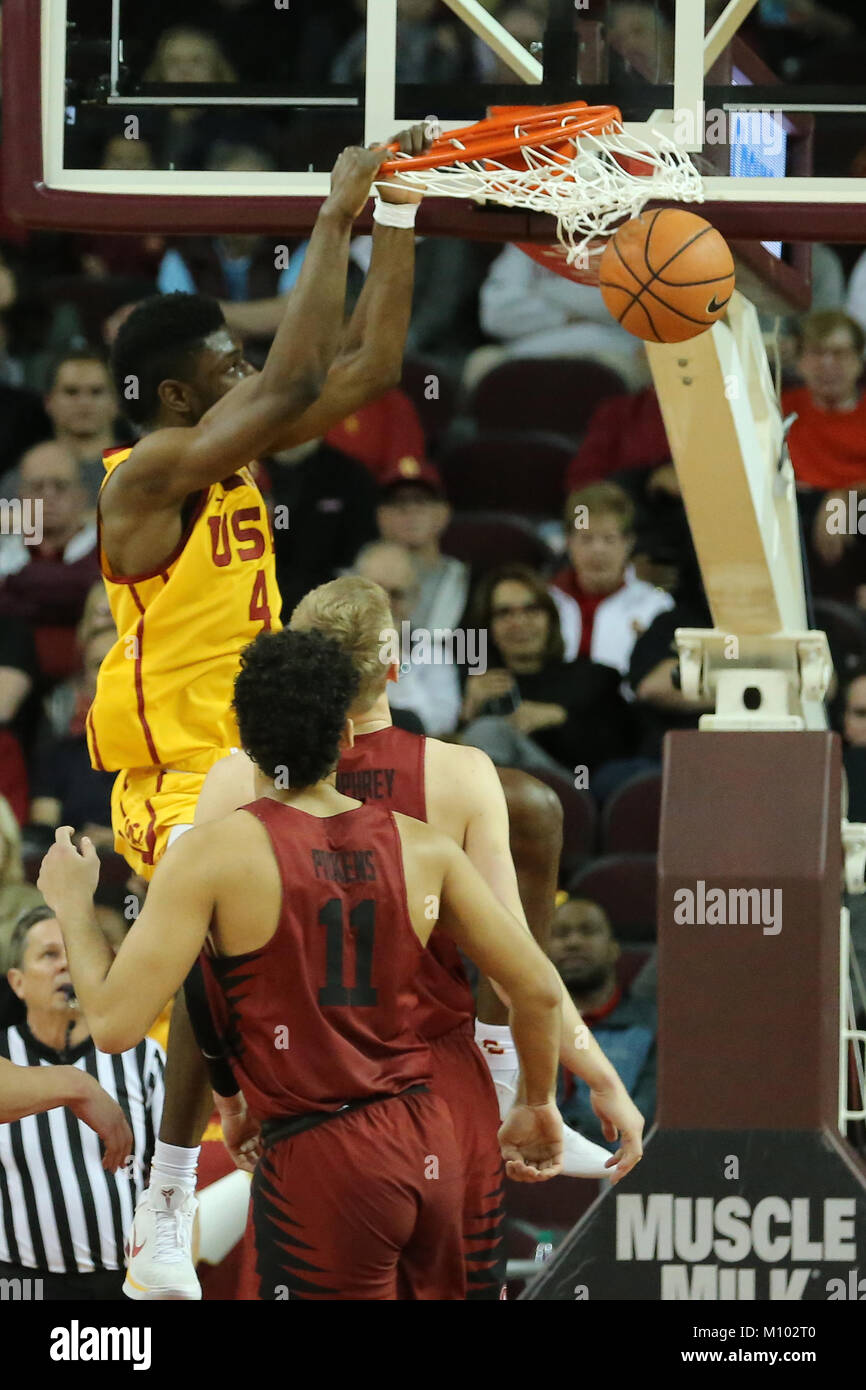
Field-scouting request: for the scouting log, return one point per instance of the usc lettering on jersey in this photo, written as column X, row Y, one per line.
column 164, row 690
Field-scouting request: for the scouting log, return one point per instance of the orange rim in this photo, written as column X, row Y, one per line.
column 497, row 135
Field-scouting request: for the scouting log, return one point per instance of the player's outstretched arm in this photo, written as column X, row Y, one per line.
column 169, row 464
column 531, row 1138
column 33, row 1090
column 122, row 996
column 370, row 358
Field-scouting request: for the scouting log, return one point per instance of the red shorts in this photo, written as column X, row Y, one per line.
column 366, row 1205
column 461, row 1077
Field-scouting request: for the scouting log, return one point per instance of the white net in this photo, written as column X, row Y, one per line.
column 589, row 191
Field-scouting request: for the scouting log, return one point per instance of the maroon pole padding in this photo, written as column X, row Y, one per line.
column 749, row 1004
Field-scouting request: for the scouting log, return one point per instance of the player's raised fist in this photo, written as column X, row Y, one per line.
column 352, row 178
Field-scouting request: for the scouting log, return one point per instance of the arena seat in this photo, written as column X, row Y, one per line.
column 436, row 414
column 625, row 885
column 522, row 473
column 561, row 391
column 630, row 819
column 482, row 539
column 579, row 821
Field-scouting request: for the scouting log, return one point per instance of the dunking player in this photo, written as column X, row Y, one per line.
column 455, row 789
column 187, row 554
column 316, row 908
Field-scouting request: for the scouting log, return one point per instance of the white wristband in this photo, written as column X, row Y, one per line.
column 395, row 214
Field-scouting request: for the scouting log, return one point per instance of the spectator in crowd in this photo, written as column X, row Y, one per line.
column 585, row 952
column 24, row 419
column 236, row 268
column 429, row 690
column 127, row 257
column 45, row 582
column 324, row 511
column 19, row 675
column 413, row 512
column 851, row 721
column 609, row 606
column 68, row 702
column 661, row 706
column 382, row 435
column 82, row 406
column 72, row 1238
column 24, row 424
column 525, row 23
column 827, row 443
column 533, row 312
column 531, row 709
column 17, row 896
column 65, row 788
column 122, row 152
column 624, row 432
column 185, row 54
column 430, row 46
column 642, row 37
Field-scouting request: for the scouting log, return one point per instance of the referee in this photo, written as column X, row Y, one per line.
column 62, row 1216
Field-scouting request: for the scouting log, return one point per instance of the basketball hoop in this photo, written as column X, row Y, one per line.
column 574, row 161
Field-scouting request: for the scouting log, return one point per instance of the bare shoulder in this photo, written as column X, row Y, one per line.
column 220, row 843
column 143, row 475
column 228, row 785
column 459, row 759
column 460, row 781
column 420, row 838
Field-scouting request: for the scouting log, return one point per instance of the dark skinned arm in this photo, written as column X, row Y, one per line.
column 169, row 464
column 370, row 357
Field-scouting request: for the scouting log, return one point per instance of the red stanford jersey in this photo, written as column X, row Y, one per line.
column 324, row 1013
column 388, row 767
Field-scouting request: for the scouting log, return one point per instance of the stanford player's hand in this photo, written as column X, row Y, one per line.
column 241, row 1133
column 67, row 879
column 531, row 1142
column 620, row 1119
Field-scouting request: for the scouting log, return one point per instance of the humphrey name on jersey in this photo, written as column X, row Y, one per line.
column 77, row 1343
column 366, row 783
column 732, row 1248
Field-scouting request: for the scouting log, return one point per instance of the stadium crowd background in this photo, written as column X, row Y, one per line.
column 517, row 484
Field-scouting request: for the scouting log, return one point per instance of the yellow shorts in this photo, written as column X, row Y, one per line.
column 148, row 802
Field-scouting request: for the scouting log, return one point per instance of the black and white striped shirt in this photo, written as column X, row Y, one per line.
column 59, row 1210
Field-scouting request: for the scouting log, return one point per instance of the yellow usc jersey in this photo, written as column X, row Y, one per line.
column 164, row 691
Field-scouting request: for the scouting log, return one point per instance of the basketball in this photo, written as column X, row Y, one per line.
column 667, row 275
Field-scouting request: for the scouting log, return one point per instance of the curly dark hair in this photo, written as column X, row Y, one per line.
column 292, row 694
column 159, row 342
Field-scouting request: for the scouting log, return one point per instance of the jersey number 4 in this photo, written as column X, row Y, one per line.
column 362, row 924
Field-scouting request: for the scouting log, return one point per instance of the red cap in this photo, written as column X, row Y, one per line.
column 412, row 470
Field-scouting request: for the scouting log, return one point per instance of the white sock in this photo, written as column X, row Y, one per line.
column 174, row 1165
column 500, row 1054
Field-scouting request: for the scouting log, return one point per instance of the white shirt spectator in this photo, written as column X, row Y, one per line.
column 537, row 313
column 619, row 620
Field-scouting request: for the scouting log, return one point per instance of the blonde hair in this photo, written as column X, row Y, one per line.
column 222, row 68
column 356, row 612
column 13, row 865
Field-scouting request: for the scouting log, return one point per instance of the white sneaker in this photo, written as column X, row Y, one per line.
column 581, row 1158
column 159, row 1255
